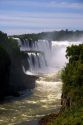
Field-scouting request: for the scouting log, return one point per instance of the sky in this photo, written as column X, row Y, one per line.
column 33, row 16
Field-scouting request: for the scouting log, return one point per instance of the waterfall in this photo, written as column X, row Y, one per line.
column 36, row 61
column 44, row 56
column 37, row 55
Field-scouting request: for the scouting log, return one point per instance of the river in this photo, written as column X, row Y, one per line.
column 45, row 97
column 32, row 104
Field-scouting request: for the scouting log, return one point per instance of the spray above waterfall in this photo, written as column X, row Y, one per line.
column 44, row 56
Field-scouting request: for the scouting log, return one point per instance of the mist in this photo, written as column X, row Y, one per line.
column 44, row 56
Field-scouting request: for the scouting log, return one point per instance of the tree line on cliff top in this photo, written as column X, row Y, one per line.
column 55, row 35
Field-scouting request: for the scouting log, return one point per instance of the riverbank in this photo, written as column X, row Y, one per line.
column 73, row 116
column 72, row 91
column 48, row 119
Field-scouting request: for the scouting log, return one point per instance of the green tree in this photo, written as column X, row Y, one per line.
column 72, row 74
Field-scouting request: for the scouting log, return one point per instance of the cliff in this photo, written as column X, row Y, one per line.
column 71, row 112
column 17, row 79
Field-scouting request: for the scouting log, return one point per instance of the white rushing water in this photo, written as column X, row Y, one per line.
column 45, row 97
column 33, row 104
column 45, row 56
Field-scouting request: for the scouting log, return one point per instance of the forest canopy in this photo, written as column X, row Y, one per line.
column 54, row 35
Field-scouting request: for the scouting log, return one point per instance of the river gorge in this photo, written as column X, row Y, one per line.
column 44, row 59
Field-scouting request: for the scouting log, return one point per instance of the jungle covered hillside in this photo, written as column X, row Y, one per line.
column 72, row 91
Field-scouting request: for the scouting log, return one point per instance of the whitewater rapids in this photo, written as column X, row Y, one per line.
column 33, row 104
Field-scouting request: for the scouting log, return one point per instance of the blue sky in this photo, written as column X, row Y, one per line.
column 31, row 16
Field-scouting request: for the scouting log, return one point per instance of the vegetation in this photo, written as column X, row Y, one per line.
column 67, row 117
column 70, row 117
column 72, row 75
column 72, row 92
column 55, row 35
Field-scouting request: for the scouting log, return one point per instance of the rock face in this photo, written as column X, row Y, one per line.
column 17, row 77
column 65, row 101
column 17, row 80
column 4, row 72
column 48, row 119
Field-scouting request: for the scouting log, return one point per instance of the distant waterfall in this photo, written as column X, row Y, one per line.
column 44, row 56
column 37, row 55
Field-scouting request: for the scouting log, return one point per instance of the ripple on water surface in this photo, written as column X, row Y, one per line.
column 45, row 98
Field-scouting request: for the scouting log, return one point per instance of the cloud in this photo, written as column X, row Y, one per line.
column 14, row 17
column 42, row 4
column 40, row 20
column 62, row 4
column 19, row 14
column 34, row 22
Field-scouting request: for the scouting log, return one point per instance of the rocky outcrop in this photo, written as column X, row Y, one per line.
column 66, row 101
column 17, row 79
column 48, row 118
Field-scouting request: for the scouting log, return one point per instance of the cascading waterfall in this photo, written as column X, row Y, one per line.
column 44, row 56
column 36, row 62
column 37, row 55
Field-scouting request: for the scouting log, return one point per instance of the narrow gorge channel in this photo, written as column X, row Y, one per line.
column 44, row 59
